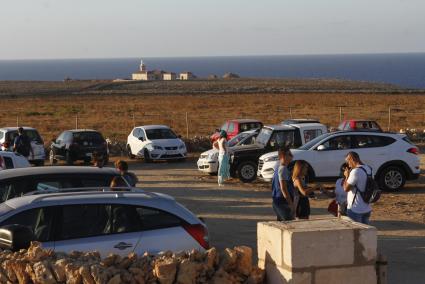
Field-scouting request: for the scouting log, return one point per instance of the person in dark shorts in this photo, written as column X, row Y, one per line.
column 302, row 203
column 22, row 144
column 283, row 188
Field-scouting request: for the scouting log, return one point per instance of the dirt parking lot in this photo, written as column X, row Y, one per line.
column 232, row 212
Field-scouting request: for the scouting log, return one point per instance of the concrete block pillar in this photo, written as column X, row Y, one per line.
column 330, row 250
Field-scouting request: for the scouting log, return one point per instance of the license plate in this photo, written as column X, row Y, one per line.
column 171, row 152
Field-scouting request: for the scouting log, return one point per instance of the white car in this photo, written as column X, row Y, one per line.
column 393, row 158
column 155, row 142
column 208, row 160
column 11, row 160
column 109, row 222
column 7, row 138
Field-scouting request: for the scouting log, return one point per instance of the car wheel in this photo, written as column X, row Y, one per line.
column 129, row 153
column 52, row 158
column 146, row 156
column 68, row 158
column 39, row 163
column 392, row 178
column 247, row 171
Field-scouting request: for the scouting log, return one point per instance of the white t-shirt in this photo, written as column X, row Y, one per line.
column 357, row 180
column 340, row 194
column 222, row 146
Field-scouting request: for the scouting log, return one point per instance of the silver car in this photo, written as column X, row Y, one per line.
column 117, row 222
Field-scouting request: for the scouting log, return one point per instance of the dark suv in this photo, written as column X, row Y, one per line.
column 78, row 144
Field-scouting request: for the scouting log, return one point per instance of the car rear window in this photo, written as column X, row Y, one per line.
column 31, row 133
column 94, row 137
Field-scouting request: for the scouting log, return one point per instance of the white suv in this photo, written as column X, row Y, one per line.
column 393, row 158
column 7, row 138
column 110, row 222
column 11, row 160
column 155, row 142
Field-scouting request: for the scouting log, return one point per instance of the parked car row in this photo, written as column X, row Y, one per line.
column 393, row 157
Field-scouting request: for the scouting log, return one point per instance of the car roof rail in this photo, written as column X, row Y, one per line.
column 118, row 191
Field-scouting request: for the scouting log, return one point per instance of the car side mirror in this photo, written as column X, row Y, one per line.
column 16, row 237
column 321, row 148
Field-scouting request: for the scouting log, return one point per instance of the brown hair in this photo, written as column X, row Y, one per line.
column 121, row 165
column 118, row 182
column 299, row 166
column 354, row 156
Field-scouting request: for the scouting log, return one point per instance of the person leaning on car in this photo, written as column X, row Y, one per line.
column 356, row 180
column 22, row 144
column 283, row 188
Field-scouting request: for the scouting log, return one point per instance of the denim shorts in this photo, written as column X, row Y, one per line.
column 282, row 210
column 358, row 217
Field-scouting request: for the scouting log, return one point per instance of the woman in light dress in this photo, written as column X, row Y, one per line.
column 223, row 158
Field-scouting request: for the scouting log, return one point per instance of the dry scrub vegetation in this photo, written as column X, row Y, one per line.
column 115, row 108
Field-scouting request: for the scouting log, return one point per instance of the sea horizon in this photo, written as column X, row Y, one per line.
column 402, row 69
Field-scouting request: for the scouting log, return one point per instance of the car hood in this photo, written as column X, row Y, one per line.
column 167, row 142
column 211, row 151
column 246, row 147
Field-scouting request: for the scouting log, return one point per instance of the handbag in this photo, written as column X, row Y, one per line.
column 333, row 208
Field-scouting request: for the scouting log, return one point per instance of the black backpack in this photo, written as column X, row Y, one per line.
column 372, row 193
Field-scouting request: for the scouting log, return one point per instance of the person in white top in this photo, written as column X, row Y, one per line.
column 223, row 158
column 356, row 181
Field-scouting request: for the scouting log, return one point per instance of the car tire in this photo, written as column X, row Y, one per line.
column 129, row 153
column 392, row 178
column 52, row 158
column 68, row 159
column 247, row 172
column 39, row 163
column 146, row 156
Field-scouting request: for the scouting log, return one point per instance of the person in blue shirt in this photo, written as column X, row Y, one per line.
column 283, row 187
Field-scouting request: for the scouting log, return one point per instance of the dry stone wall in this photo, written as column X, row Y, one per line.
column 39, row 266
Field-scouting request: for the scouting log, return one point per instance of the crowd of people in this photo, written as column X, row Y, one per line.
column 290, row 192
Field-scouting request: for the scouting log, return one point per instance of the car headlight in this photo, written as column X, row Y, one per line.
column 271, row 159
column 182, row 146
column 158, row 147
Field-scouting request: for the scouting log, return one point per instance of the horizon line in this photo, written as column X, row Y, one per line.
column 215, row 56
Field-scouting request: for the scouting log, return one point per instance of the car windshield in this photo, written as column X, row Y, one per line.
column 237, row 139
column 313, row 142
column 264, row 136
column 163, row 133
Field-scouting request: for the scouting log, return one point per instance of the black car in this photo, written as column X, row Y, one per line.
column 17, row 182
column 78, row 144
column 244, row 160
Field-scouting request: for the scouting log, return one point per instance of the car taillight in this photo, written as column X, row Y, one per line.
column 199, row 233
column 414, row 151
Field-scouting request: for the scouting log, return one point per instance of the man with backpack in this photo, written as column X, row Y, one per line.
column 22, row 144
column 361, row 189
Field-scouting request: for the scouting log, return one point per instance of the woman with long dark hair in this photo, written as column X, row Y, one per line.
column 223, row 158
column 299, row 175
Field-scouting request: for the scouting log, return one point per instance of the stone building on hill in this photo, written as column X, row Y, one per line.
column 187, row 76
column 170, row 76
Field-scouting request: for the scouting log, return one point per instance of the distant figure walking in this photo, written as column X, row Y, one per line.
column 301, row 192
column 356, row 181
column 283, row 188
column 22, row 144
column 223, row 158
column 129, row 177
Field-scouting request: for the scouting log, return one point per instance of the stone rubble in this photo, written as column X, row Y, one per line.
column 39, row 266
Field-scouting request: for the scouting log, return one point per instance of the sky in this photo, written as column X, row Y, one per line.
column 48, row 29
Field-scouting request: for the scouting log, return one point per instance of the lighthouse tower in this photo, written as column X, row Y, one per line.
column 142, row 66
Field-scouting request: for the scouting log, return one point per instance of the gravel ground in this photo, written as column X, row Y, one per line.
column 232, row 212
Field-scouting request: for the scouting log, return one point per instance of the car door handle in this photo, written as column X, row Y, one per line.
column 123, row 246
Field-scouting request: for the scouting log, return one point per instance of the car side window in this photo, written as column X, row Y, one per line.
column 40, row 220
column 342, row 142
column 61, row 137
column 130, row 218
column 282, row 138
column 224, row 126
column 83, row 221
column 371, row 141
column 231, row 127
column 14, row 188
column 310, row 134
column 8, row 163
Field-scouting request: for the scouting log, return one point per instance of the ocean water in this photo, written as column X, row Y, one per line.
column 406, row 70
